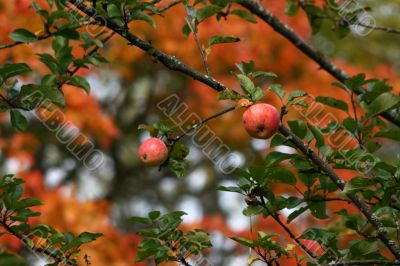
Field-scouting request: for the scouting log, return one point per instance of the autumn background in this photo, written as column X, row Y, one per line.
column 124, row 95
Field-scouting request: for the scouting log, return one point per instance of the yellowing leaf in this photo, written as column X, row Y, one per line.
column 251, row 260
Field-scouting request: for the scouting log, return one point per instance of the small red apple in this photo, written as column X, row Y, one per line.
column 261, row 120
column 153, row 152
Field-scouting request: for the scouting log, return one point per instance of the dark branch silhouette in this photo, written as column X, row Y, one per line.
column 304, row 47
column 175, row 64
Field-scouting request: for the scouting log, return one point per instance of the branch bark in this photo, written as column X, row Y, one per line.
column 361, row 205
column 173, row 63
column 292, row 236
column 366, row 262
column 284, row 30
column 44, row 251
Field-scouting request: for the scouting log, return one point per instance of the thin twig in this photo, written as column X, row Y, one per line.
column 358, row 129
column 290, row 233
column 189, row 21
column 202, row 122
column 166, row 7
column 379, row 28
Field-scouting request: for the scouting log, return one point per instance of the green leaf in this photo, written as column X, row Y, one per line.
column 141, row 220
column 154, row 215
column 52, row 94
column 350, row 124
column 10, row 70
column 282, row 175
column 246, row 68
column 343, row 31
column 358, row 183
column 382, row 103
column 313, row 14
column 373, row 146
column 301, row 164
column 23, row 35
column 307, row 178
column 300, row 103
column 320, row 235
column 207, row 11
column 295, row 94
column 113, row 11
column 244, row 241
column 296, row 213
column 222, row 39
column 228, row 94
column 340, row 85
column 186, row 30
column 18, row 120
column 244, row 15
column 8, row 259
column 355, row 82
column 178, row 167
column 28, row 202
column 229, row 189
column 50, row 62
column 278, row 90
column 69, row 33
column 352, row 221
column 273, row 158
column 363, row 248
column 393, row 134
column 278, row 140
column 298, row 127
column 148, row 248
column 139, row 15
column 18, row 218
column 180, row 151
column 246, row 84
column 262, row 74
column 332, row 102
column 292, row 8
column 318, row 209
column 317, row 133
column 80, row 82
column 252, row 210
column 257, row 94
column 87, row 237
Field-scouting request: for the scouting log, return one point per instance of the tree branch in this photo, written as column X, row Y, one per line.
column 173, row 63
column 275, row 216
column 184, row 262
column 40, row 250
column 284, row 30
column 87, row 23
column 292, row 236
column 361, row 205
column 365, row 262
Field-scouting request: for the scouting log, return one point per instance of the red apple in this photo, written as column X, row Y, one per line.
column 153, row 152
column 261, row 120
